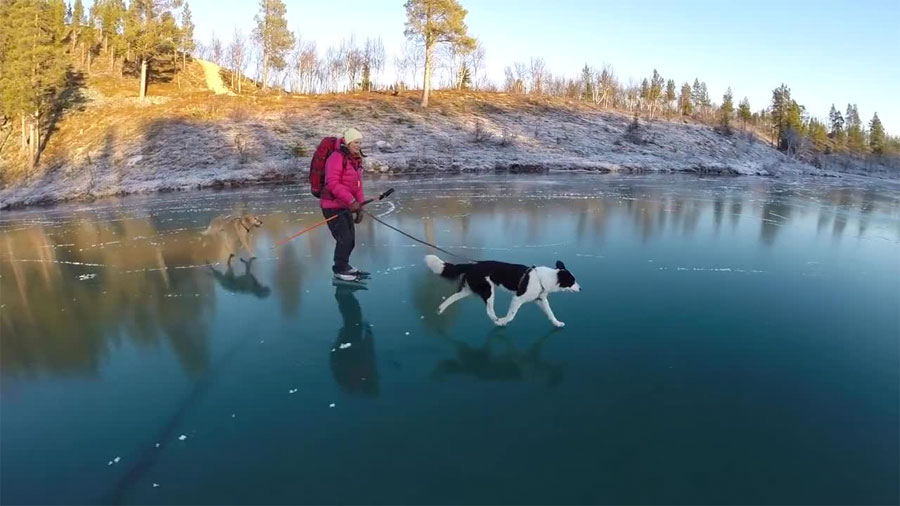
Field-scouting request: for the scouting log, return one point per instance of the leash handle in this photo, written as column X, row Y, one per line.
column 383, row 196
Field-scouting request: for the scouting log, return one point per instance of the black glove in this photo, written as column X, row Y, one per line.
column 357, row 217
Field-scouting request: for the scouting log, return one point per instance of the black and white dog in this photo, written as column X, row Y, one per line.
column 529, row 284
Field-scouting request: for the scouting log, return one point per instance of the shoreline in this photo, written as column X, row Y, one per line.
column 109, row 150
column 287, row 179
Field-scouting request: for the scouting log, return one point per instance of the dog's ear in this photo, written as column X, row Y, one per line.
column 561, row 266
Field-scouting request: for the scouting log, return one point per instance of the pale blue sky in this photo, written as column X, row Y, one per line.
column 825, row 51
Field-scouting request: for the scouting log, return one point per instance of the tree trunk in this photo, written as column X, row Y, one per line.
column 143, row 78
column 265, row 76
column 90, row 60
column 30, row 148
column 184, row 60
column 36, row 149
column 239, row 81
column 175, row 67
column 112, row 57
column 24, row 135
column 106, row 43
column 426, row 86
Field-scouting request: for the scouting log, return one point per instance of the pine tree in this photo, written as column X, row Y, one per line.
column 645, row 92
column 744, row 112
column 587, row 83
column 837, row 134
column 836, row 121
column 856, row 141
column 786, row 118
column 57, row 17
column 684, row 100
column 726, row 111
column 110, row 14
column 670, row 93
column 433, row 22
column 876, row 135
column 705, row 102
column 169, row 39
column 77, row 18
column 817, row 134
column 656, row 90
column 696, row 94
column 149, row 32
column 273, row 36
column 33, row 69
column 186, row 42
column 90, row 35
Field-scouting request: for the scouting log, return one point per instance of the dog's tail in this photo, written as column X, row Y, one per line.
column 444, row 269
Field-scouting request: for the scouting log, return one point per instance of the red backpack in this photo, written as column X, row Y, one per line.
column 327, row 146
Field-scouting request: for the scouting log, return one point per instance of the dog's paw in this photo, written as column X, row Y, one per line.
column 440, row 311
column 501, row 322
column 559, row 324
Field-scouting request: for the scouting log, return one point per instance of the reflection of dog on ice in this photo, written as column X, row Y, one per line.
column 488, row 363
column 245, row 283
column 234, row 231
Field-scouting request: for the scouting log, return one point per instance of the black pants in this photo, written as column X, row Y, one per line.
column 344, row 233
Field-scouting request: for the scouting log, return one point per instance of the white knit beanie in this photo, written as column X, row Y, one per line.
column 351, row 134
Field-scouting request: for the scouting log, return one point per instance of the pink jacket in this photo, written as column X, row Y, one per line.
column 343, row 181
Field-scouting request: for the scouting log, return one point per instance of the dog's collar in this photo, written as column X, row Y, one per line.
column 245, row 228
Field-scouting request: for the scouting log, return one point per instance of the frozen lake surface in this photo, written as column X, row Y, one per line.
column 735, row 341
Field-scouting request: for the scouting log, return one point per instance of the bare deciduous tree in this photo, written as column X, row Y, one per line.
column 521, row 73
column 510, row 83
column 333, row 69
column 353, row 62
column 372, row 62
column 536, row 76
column 307, row 67
column 411, row 62
column 216, row 51
column 475, row 63
column 608, row 87
column 237, row 56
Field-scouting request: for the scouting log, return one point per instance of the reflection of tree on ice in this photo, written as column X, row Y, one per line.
column 353, row 355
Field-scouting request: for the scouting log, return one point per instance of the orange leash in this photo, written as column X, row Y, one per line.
column 326, row 220
column 305, row 230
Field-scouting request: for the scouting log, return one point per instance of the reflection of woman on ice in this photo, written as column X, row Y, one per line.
column 353, row 366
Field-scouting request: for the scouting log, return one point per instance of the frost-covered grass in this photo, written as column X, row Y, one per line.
column 192, row 140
